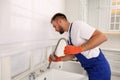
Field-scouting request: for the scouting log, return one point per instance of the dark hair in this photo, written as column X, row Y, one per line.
column 60, row 15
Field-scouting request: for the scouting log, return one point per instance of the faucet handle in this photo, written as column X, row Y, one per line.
column 33, row 76
column 41, row 71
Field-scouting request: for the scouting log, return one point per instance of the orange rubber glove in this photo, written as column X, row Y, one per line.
column 57, row 59
column 69, row 49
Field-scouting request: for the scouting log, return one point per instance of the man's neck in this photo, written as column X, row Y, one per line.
column 67, row 26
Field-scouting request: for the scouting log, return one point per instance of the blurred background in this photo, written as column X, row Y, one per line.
column 27, row 36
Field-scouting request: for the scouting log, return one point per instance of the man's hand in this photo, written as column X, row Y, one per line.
column 69, row 49
column 57, row 59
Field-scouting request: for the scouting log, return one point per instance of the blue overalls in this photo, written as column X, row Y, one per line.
column 97, row 68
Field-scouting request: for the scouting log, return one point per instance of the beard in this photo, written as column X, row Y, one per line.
column 61, row 30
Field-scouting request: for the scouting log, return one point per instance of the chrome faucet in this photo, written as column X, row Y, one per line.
column 32, row 76
column 52, row 56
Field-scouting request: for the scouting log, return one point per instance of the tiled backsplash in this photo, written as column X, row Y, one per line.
column 16, row 48
column 26, row 56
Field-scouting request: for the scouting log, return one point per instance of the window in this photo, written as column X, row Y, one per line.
column 115, row 16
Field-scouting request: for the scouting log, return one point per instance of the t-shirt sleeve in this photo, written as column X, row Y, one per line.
column 86, row 31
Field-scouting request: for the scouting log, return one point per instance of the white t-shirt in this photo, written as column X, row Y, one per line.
column 81, row 33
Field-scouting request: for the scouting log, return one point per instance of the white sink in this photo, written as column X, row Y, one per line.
column 54, row 74
column 73, row 66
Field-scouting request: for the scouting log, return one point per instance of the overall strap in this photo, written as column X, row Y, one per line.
column 70, row 40
column 79, row 57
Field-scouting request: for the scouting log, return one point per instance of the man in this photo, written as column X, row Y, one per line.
column 83, row 44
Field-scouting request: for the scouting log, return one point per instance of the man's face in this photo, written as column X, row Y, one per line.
column 58, row 27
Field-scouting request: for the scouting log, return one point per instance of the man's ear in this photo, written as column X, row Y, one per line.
column 60, row 21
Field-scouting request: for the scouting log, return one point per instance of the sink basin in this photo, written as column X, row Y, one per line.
column 74, row 67
column 54, row 74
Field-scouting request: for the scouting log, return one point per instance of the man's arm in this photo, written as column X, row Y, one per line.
column 96, row 39
column 62, row 58
column 67, row 57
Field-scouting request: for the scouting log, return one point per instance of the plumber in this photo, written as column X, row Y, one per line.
column 83, row 44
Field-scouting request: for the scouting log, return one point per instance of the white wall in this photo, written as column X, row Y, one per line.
column 93, row 12
column 25, row 29
column 26, row 20
column 76, row 10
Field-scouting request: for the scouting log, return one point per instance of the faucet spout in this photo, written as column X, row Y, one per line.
column 52, row 55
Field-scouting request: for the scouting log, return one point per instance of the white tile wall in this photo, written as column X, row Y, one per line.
column 25, row 29
column 20, row 63
column 28, row 20
column 39, row 56
column 24, row 20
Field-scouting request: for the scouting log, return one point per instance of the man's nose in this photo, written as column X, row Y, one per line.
column 57, row 30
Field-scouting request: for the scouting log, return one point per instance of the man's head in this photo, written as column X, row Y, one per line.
column 59, row 22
